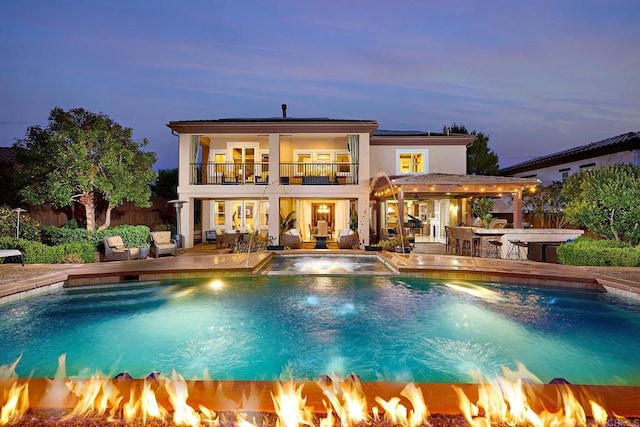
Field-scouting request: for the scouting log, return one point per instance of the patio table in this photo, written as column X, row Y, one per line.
column 321, row 241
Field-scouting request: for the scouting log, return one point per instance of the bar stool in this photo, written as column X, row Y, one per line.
column 495, row 249
column 476, row 244
column 514, row 249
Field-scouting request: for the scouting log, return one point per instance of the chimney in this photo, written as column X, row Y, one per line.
column 284, row 111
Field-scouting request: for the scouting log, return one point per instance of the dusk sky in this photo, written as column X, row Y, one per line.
column 536, row 76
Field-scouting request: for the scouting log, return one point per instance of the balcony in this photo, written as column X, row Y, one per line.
column 336, row 173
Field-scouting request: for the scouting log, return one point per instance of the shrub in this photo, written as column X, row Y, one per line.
column 391, row 243
column 605, row 201
column 604, row 253
column 29, row 227
column 133, row 236
column 78, row 253
column 57, row 236
column 39, row 253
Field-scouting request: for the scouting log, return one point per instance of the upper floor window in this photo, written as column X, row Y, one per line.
column 564, row 173
column 589, row 166
column 413, row 161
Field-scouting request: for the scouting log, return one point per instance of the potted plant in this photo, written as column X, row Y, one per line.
column 481, row 208
column 287, row 222
column 144, row 251
column 272, row 247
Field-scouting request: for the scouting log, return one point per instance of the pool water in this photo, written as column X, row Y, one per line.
column 380, row 327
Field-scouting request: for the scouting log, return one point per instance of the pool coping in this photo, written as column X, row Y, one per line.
column 443, row 267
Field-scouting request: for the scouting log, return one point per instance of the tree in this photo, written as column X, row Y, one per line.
column 83, row 157
column 481, row 160
column 547, row 203
column 605, row 200
column 166, row 185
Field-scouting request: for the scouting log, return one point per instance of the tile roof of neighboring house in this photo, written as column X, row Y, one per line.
column 626, row 141
column 7, row 155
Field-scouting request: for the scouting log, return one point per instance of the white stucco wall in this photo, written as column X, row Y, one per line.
column 553, row 173
column 441, row 158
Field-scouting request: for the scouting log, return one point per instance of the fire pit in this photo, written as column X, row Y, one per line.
column 327, row 402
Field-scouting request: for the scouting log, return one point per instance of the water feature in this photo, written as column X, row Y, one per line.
column 327, row 264
column 381, row 327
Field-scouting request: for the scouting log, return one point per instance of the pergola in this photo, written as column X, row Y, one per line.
column 452, row 186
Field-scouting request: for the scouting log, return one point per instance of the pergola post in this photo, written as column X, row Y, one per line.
column 401, row 212
column 517, row 209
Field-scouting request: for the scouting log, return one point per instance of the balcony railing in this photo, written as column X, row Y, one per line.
column 252, row 173
column 338, row 173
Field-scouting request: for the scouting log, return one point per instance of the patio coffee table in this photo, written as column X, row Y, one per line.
column 321, row 241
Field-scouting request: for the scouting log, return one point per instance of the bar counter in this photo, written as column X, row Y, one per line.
column 522, row 234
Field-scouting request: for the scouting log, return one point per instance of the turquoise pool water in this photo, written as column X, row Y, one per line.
column 380, row 327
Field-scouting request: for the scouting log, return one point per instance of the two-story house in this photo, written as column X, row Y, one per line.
column 248, row 173
column 558, row 166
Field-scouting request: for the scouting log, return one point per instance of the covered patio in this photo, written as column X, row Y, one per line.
column 456, row 190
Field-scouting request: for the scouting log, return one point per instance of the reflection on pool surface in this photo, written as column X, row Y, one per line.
column 379, row 327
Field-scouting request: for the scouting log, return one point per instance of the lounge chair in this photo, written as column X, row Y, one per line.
column 162, row 243
column 348, row 239
column 292, row 239
column 6, row 253
column 115, row 250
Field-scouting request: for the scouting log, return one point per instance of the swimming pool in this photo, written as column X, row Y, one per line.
column 380, row 327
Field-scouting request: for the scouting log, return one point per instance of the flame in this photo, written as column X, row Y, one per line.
column 57, row 391
column 146, row 406
column 512, row 401
column 396, row 413
column 183, row 414
column 9, row 371
column 16, row 403
column 419, row 414
column 290, row 406
column 346, row 398
column 95, row 395
column 515, row 398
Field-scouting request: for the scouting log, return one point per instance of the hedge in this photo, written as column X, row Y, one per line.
column 133, row 236
column 39, row 253
column 603, row 253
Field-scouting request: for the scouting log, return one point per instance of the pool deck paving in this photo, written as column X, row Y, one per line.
column 17, row 282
